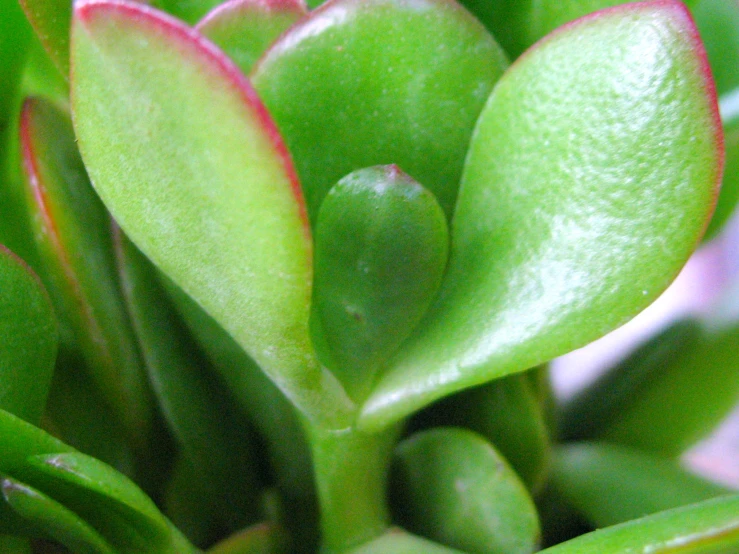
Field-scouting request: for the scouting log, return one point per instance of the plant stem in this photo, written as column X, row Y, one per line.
column 351, row 470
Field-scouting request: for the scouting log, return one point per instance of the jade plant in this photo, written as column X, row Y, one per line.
column 280, row 277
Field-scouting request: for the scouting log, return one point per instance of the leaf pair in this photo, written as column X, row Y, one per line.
column 589, row 179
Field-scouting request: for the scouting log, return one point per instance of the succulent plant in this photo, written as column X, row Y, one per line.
column 282, row 277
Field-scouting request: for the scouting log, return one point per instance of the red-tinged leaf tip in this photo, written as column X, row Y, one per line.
column 684, row 21
column 246, row 6
column 210, row 57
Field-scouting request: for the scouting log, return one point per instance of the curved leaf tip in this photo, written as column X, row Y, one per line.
column 88, row 12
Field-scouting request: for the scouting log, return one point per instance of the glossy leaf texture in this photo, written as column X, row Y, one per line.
column 361, row 83
column 211, row 430
column 51, row 21
column 601, row 403
column 710, row 527
column 611, row 484
column 509, row 415
column 398, row 541
column 244, row 29
column 381, row 245
column 591, row 177
column 28, row 339
column 61, row 524
column 73, row 234
column 685, row 400
column 452, row 486
column 183, row 153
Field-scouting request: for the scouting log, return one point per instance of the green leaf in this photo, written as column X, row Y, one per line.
column 508, row 414
column 381, row 251
column 73, row 234
column 360, row 83
column 398, row 541
column 51, row 20
column 710, row 527
column 209, row 427
column 610, row 484
column 590, row 178
column 718, row 23
column 110, row 502
column 601, row 404
column 244, row 29
column 60, row 523
column 452, row 486
column 28, row 339
column 685, row 400
column 187, row 159
column 729, row 196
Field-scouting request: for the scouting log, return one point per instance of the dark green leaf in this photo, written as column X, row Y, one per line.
column 59, row 522
column 454, row 487
column 28, row 339
column 264, row 538
column 51, row 20
column 381, row 251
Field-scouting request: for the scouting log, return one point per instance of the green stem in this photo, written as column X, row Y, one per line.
column 351, row 474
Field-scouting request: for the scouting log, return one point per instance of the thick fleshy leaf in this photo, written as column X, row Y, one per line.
column 264, row 538
column 611, row 484
column 381, row 250
column 28, row 339
column 710, row 527
column 508, row 414
column 51, row 20
column 590, row 179
column 60, row 523
column 685, row 400
column 183, row 153
column 361, row 83
column 452, row 486
column 107, row 500
column 600, row 404
column 211, row 430
column 398, row 541
column 73, row 233
column 244, row 29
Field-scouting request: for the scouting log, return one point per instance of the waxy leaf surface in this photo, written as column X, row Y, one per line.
column 28, row 339
column 454, row 487
column 244, row 29
column 361, row 83
column 710, row 527
column 590, row 179
column 183, row 153
column 381, row 250
column 611, row 484
column 73, row 233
